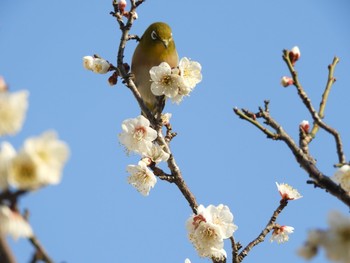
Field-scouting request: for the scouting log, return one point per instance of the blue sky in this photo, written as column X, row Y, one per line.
column 94, row 215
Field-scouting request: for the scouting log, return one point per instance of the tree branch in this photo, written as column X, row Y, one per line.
column 317, row 117
column 263, row 233
column 175, row 171
column 305, row 160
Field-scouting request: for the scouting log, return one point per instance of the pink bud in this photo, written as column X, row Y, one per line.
column 121, row 5
column 286, row 81
column 3, row 86
column 294, row 54
column 305, row 126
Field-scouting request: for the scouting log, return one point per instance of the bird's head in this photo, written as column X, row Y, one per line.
column 156, row 34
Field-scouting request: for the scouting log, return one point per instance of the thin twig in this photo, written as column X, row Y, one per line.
column 315, row 115
column 263, row 233
column 40, row 251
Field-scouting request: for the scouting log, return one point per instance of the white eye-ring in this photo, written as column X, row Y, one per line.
column 154, row 35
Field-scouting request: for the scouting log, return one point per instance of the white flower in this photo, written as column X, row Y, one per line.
column 208, row 228
column 190, row 71
column 287, row 192
column 166, row 118
column 13, row 108
column 157, row 154
column 221, row 215
column 164, row 82
column 88, row 62
column 12, row 223
column 286, row 81
column 280, row 234
column 141, row 177
column 7, row 152
column 342, row 177
column 187, row 260
column 137, row 135
column 336, row 240
column 40, row 162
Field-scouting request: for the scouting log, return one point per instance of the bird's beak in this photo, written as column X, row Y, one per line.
column 165, row 43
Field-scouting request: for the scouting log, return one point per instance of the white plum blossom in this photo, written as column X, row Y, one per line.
column 164, row 81
column 97, row 65
column 177, row 82
column 287, row 192
column 336, row 241
column 157, row 154
column 280, row 234
column 7, row 152
column 13, row 224
column 190, row 71
column 39, row 163
column 166, row 118
column 208, row 228
column 342, row 177
column 13, row 108
column 141, row 177
column 137, row 135
column 187, row 260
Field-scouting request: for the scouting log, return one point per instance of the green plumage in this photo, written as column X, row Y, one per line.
column 156, row 46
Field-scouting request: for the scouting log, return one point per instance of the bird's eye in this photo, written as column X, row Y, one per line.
column 154, row 35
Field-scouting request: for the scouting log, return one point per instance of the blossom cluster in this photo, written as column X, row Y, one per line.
column 335, row 240
column 208, row 228
column 175, row 83
column 138, row 137
column 38, row 163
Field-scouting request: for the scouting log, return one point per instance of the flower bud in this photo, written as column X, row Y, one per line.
column 112, row 80
column 294, row 54
column 121, row 5
column 305, row 126
column 88, row 62
column 3, row 85
column 286, row 81
column 100, row 66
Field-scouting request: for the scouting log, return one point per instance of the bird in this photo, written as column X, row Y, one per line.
column 155, row 46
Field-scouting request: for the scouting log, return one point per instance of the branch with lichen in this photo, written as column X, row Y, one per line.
column 273, row 130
